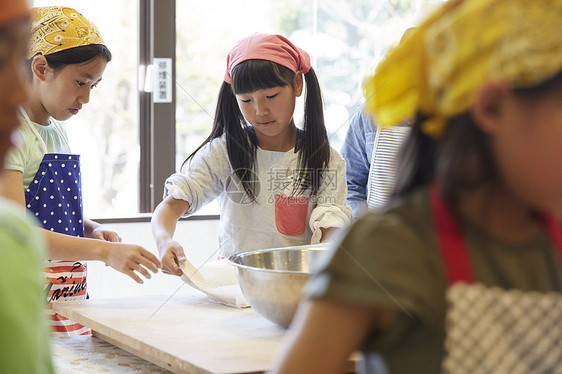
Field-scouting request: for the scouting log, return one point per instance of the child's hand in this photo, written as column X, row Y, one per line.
column 128, row 258
column 172, row 255
column 101, row 233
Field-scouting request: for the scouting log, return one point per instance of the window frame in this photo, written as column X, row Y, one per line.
column 157, row 121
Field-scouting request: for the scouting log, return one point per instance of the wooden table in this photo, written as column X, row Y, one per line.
column 184, row 333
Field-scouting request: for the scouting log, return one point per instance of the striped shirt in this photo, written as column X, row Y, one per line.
column 384, row 162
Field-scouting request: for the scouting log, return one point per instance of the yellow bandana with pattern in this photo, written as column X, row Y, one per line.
column 57, row 28
column 439, row 66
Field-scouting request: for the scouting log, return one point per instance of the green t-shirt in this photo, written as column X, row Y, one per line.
column 391, row 260
column 24, row 333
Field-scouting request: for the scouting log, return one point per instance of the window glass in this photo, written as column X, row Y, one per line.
column 105, row 132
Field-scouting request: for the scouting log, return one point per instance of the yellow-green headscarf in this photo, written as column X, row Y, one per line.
column 438, row 68
column 57, row 28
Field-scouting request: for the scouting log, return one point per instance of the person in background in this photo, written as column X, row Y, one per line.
column 357, row 151
column 464, row 274
column 371, row 157
column 277, row 185
column 24, row 333
column 66, row 60
column 371, row 151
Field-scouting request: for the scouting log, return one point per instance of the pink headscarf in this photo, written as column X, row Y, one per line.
column 275, row 48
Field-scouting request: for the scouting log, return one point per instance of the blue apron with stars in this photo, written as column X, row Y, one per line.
column 55, row 198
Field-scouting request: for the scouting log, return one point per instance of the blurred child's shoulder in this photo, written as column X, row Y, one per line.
column 408, row 216
column 402, row 235
column 17, row 225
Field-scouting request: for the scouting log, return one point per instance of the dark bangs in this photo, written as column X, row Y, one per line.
column 76, row 55
column 253, row 75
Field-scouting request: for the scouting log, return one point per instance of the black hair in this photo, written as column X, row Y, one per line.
column 461, row 158
column 76, row 55
column 313, row 144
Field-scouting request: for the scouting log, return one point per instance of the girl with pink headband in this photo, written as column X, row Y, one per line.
column 277, row 184
column 463, row 273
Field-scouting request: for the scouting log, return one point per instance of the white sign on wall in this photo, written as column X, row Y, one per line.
column 163, row 80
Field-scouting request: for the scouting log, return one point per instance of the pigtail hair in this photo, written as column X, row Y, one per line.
column 314, row 146
column 241, row 151
column 218, row 125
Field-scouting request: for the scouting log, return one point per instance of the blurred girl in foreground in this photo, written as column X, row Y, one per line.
column 456, row 276
column 24, row 335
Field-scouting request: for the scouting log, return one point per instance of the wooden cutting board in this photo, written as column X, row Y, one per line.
column 184, row 333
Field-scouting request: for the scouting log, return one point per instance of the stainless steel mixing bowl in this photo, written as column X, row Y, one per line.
column 272, row 279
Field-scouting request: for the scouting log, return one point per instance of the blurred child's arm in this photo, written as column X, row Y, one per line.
column 325, row 334
column 96, row 231
column 164, row 220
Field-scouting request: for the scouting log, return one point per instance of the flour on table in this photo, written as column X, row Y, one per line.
column 217, row 279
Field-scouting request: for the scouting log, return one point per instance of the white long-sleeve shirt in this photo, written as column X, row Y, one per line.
column 274, row 219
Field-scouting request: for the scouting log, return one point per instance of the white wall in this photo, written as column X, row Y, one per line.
column 199, row 239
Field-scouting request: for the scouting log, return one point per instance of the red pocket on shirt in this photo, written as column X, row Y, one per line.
column 290, row 214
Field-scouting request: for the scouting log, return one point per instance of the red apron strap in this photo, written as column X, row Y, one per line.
column 555, row 230
column 454, row 251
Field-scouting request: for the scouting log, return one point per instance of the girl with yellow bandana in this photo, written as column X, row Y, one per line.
column 463, row 273
column 66, row 60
